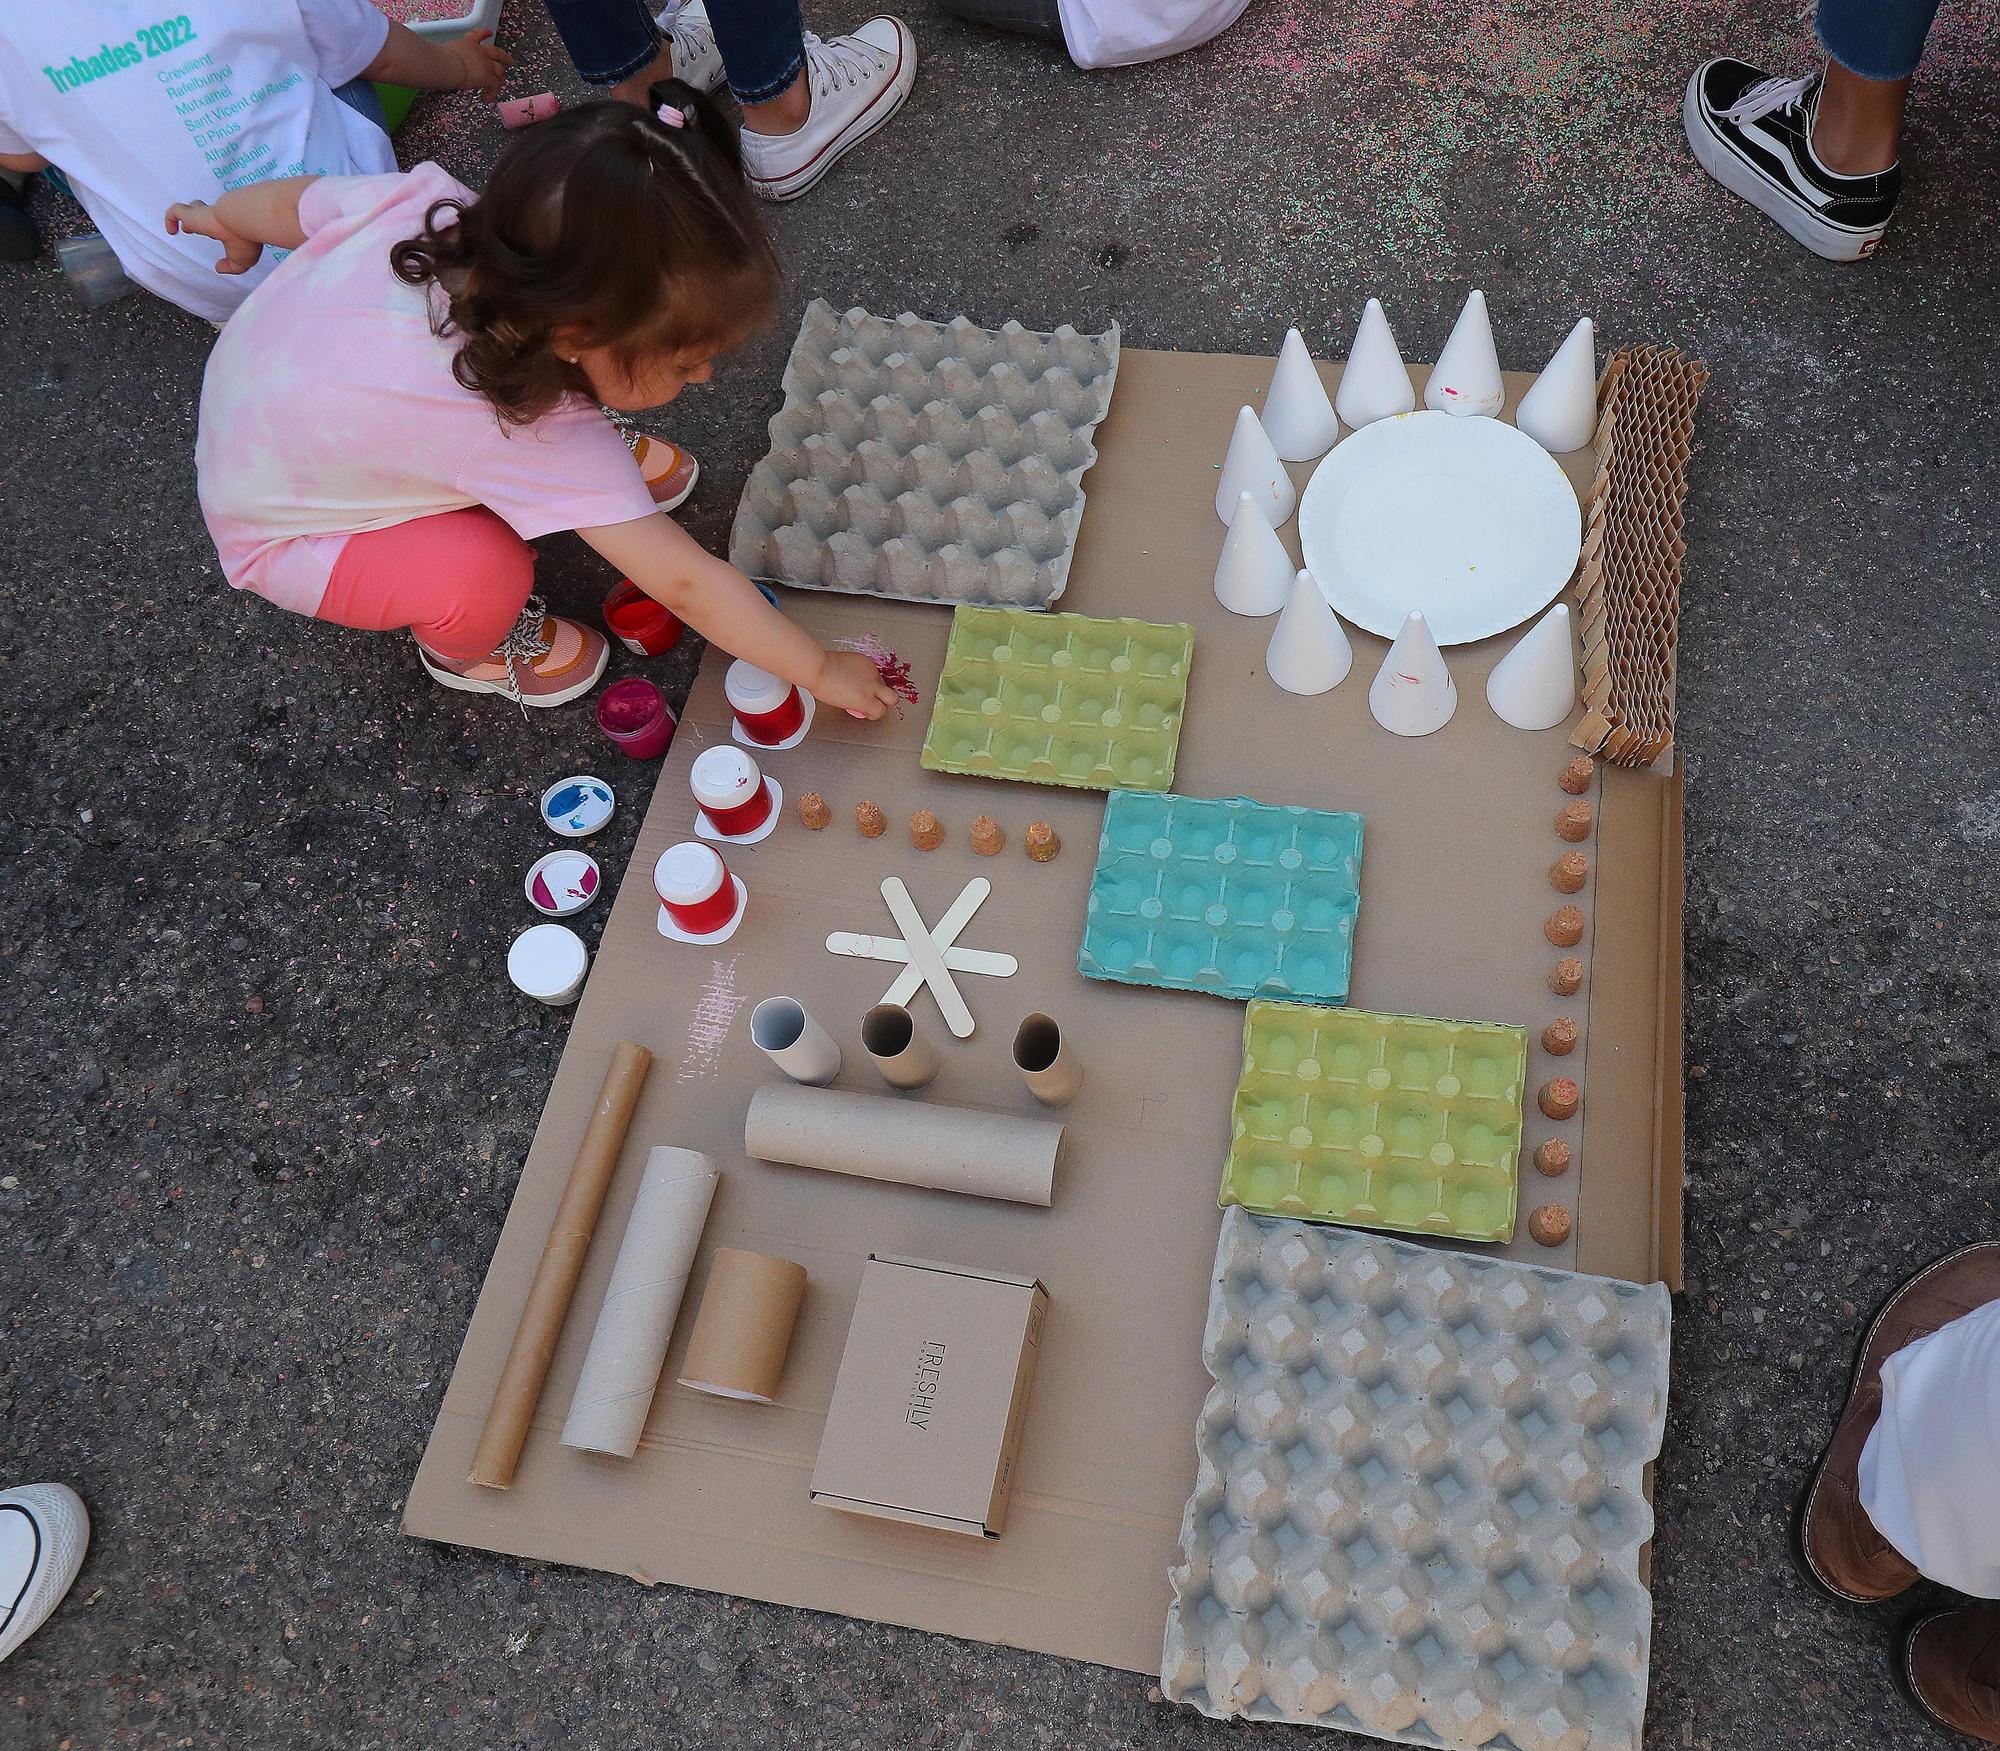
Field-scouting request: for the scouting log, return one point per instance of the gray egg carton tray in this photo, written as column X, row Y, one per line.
column 927, row 461
column 1419, row 1505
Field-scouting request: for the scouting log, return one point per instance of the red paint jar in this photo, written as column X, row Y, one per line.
column 644, row 627
column 768, row 711
column 635, row 715
column 732, row 790
column 696, row 888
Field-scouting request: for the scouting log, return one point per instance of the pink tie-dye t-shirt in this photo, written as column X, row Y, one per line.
column 329, row 408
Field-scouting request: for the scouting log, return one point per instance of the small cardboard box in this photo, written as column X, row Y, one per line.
column 932, row 1392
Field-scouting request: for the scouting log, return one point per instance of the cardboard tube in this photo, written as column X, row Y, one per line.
column 947, row 1149
column 542, row 1314
column 889, row 1036
column 793, row 1041
column 607, row 1413
column 1042, row 1056
column 740, row 1337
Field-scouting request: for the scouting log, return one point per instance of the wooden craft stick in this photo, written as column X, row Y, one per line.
column 542, row 1314
column 956, row 917
column 895, row 950
column 927, row 957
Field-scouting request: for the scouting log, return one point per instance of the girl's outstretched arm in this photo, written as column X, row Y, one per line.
column 245, row 220
column 726, row 608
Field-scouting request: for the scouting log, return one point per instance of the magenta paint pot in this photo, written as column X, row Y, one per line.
column 634, row 714
column 644, row 627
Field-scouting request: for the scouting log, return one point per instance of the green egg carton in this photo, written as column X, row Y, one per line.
column 1378, row 1121
column 1236, row 898
column 1060, row 699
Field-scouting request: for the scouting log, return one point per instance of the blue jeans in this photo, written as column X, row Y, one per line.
column 762, row 41
column 1877, row 39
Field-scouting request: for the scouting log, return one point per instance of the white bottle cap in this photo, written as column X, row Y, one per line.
column 749, row 688
column 688, row 874
column 547, row 961
column 724, row 778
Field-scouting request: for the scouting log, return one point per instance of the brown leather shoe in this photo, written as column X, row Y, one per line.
column 1949, row 1668
column 1836, row 1544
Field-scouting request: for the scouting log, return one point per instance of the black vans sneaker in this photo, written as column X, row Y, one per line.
column 1753, row 134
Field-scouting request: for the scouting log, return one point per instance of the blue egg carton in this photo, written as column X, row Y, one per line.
column 1236, row 898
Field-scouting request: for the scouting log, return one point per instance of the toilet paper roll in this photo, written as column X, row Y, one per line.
column 890, row 1038
column 947, row 1149
column 628, row 1347
column 1043, row 1057
column 740, row 1337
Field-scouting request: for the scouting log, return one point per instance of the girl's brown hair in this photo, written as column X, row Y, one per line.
column 606, row 222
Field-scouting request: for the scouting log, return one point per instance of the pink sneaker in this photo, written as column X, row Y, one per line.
column 545, row 660
column 669, row 471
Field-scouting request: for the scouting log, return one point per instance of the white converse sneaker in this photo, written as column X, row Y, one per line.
column 857, row 82
column 44, row 1531
column 697, row 60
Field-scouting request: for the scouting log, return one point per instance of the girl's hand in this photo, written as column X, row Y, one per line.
column 482, row 63
column 199, row 219
column 849, row 682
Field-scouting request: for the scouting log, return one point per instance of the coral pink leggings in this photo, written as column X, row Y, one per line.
column 458, row 581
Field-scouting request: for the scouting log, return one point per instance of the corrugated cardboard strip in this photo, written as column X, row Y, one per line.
column 1629, row 585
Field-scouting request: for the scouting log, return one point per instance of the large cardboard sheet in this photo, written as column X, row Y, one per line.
column 1454, row 891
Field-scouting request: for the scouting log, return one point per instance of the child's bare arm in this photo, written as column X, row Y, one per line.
column 23, row 163
column 725, row 607
column 245, row 220
column 472, row 62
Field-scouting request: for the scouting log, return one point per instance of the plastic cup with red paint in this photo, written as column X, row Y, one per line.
column 644, row 627
column 634, row 714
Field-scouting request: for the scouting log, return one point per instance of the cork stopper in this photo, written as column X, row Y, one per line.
column 1549, row 1225
column 1576, row 776
column 1565, row 926
column 926, row 830
column 1573, row 821
column 1552, row 1158
column 813, row 811
column 1569, row 872
column 869, row 821
column 1559, row 1037
column 987, row 838
column 1041, row 843
column 1559, row 1098
column 1566, row 976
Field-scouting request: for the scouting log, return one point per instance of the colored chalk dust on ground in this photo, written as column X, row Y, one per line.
column 1060, row 699
column 1379, row 1121
column 1235, row 898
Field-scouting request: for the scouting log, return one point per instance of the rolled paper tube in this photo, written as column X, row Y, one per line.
column 1559, row 1098
column 1042, row 1056
column 522, row 112
column 946, row 1149
column 793, row 1041
column 1576, row 776
column 542, row 1314
column 744, row 1329
column 1559, row 1037
column 1566, row 976
column 905, row 1058
column 1552, row 1158
column 607, row 1413
column 1573, row 822
column 1569, row 872
column 769, row 709
column 1565, row 926
column 1549, row 1225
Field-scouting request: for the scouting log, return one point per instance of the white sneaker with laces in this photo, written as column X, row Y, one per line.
column 856, row 83
column 696, row 58
column 44, row 1531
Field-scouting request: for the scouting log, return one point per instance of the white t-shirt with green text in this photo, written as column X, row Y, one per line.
column 141, row 105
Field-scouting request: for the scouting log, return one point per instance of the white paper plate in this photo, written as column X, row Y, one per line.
column 1466, row 519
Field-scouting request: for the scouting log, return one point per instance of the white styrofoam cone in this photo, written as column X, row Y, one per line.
column 1298, row 417
column 1375, row 383
column 1533, row 687
column 1252, row 466
column 1309, row 652
column 1413, row 692
column 1560, row 409
column 1466, row 378
column 1254, row 574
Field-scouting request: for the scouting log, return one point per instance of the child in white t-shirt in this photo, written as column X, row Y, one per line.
column 140, row 107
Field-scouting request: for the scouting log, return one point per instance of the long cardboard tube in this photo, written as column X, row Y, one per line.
column 947, row 1149
column 542, row 1314
column 607, row 1413
column 1043, row 1057
column 744, row 1329
column 890, row 1038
